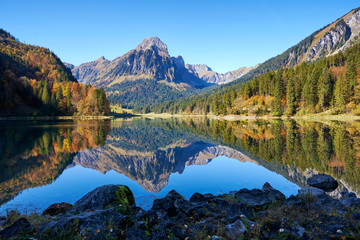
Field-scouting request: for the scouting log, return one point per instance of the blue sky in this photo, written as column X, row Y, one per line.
column 224, row 34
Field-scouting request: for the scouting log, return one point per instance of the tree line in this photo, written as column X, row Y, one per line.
column 330, row 85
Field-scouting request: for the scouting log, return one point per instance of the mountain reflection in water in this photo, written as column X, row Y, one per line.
column 150, row 152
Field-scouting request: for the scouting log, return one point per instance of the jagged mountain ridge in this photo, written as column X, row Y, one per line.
column 149, row 60
column 327, row 41
column 207, row 74
column 149, row 75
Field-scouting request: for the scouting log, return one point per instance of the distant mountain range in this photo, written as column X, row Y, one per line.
column 148, row 74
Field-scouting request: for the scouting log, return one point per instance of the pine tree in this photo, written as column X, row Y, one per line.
column 278, row 92
column 340, row 92
column 290, row 97
column 325, row 89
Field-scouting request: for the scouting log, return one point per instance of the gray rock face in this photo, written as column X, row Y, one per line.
column 235, row 230
column 153, row 42
column 324, row 182
column 332, row 40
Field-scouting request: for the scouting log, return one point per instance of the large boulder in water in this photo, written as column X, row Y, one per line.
column 324, row 182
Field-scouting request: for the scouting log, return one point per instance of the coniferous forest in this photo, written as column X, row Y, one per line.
column 34, row 82
column 330, row 85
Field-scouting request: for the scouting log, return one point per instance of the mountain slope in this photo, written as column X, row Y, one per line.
column 34, row 81
column 337, row 36
column 149, row 75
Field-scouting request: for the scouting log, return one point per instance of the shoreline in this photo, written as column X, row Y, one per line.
column 58, row 118
column 312, row 117
column 109, row 212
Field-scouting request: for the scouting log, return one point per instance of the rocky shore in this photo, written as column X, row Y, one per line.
column 109, row 212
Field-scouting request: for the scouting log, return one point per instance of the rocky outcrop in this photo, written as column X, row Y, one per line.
column 243, row 214
column 332, row 41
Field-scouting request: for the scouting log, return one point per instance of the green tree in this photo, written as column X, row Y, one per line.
column 290, row 97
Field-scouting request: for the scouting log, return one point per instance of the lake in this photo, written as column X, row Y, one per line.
column 60, row 161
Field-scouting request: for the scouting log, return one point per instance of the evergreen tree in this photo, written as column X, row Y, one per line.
column 325, row 89
column 340, row 92
column 290, row 97
column 278, row 92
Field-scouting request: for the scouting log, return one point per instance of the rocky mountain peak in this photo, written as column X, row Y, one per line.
column 151, row 42
column 101, row 58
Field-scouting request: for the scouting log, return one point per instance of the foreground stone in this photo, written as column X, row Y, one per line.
column 324, row 182
column 57, row 208
column 109, row 212
column 19, row 228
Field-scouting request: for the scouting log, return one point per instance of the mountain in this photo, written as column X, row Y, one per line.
column 35, row 82
column 320, row 74
column 148, row 75
column 149, row 60
column 327, row 41
column 207, row 74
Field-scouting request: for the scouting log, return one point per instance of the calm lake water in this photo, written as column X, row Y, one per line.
column 46, row 162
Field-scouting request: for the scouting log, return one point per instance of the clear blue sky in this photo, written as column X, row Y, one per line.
column 225, row 35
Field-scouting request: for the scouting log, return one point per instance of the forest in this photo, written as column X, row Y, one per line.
column 34, row 82
column 330, row 85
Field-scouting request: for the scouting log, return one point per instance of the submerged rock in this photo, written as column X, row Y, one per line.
column 324, row 182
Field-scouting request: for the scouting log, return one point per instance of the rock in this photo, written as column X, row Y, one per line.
column 350, row 202
column 256, row 198
column 197, row 197
column 21, row 226
column 324, row 182
column 164, row 205
column 107, row 196
column 57, row 208
column 310, row 191
column 276, row 194
column 92, row 224
column 2, row 221
column 235, row 230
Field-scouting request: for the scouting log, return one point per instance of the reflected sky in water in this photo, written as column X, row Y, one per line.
column 47, row 162
column 219, row 176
